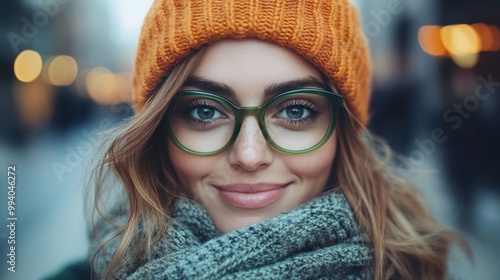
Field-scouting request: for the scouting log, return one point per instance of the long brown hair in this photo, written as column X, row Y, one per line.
column 406, row 241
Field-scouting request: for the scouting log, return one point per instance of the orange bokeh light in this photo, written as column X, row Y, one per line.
column 430, row 40
column 460, row 39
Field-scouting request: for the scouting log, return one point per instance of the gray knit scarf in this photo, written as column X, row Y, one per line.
column 318, row 240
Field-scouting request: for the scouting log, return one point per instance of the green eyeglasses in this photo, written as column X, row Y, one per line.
column 293, row 122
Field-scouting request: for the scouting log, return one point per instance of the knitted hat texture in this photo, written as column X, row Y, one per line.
column 327, row 33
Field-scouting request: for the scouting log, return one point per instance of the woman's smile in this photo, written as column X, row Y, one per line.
column 251, row 196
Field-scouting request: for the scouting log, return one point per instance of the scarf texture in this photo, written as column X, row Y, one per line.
column 317, row 240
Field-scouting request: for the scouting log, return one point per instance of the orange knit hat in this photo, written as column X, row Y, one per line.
column 327, row 33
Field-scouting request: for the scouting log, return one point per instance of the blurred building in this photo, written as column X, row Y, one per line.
column 418, row 76
column 435, row 99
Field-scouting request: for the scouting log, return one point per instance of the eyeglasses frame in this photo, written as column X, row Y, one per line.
column 334, row 99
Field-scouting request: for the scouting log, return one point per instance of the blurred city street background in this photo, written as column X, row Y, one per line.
column 65, row 70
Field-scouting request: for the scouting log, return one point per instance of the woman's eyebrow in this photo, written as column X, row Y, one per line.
column 210, row 86
column 269, row 91
column 307, row 82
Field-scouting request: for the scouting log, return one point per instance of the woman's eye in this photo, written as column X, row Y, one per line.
column 205, row 113
column 295, row 112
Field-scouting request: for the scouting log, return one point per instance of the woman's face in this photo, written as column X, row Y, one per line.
column 251, row 182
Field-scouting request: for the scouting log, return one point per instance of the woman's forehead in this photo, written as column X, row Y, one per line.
column 249, row 66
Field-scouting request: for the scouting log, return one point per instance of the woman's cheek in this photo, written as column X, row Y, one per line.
column 316, row 165
column 189, row 168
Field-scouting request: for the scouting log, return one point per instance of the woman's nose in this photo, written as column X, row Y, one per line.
column 250, row 150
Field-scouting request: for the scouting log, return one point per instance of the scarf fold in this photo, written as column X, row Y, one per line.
column 317, row 240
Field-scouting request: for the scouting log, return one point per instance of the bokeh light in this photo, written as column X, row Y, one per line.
column 485, row 34
column 122, row 90
column 28, row 66
column 430, row 40
column 460, row 39
column 496, row 38
column 100, row 83
column 62, row 70
column 465, row 61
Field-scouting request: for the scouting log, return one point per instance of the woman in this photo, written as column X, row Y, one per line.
column 245, row 158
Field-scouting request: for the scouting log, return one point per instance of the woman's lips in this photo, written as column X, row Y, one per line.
column 251, row 196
